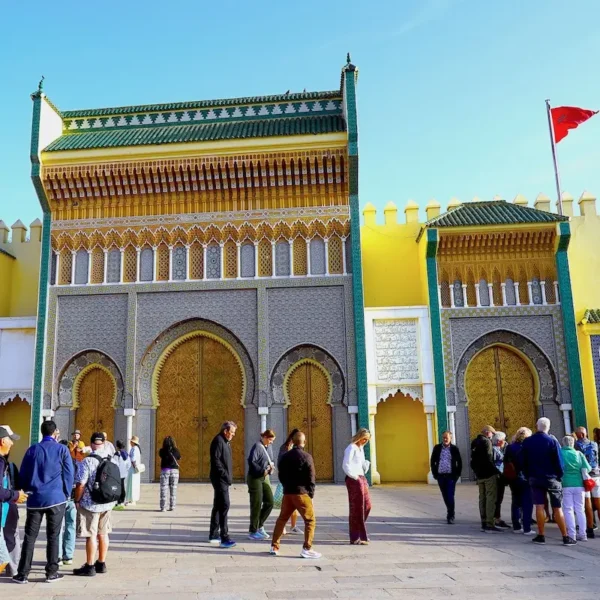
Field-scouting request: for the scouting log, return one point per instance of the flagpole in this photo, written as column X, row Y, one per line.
column 556, row 177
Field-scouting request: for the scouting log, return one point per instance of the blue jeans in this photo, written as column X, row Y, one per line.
column 66, row 540
column 521, row 505
column 447, row 485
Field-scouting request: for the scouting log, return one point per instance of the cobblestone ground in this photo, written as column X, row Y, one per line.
column 413, row 554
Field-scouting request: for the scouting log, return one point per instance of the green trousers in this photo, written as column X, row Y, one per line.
column 488, row 491
column 261, row 501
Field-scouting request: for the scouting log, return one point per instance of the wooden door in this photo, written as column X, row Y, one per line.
column 95, row 412
column 500, row 392
column 308, row 390
column 200, row 387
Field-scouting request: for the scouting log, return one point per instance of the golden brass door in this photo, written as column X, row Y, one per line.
column 500, row 391
column 200, row 387
column 308, row 391
column 95, row 411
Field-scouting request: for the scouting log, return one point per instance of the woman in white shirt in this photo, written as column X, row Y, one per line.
column 355, row 466
column 133, row 477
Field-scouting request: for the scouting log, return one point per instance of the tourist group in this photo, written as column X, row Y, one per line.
column 540, row 473
column 76, row 487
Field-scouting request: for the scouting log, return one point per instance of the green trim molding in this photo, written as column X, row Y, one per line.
column 436, row 331
column 569, row 325
column 42, row 308
column 350, row 74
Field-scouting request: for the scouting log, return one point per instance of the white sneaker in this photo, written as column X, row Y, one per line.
column 531, row 532
column 273, row 552
column 297, row 530
column 517, row 531
column 309, row 554
column 214, row 541
column 264, row 534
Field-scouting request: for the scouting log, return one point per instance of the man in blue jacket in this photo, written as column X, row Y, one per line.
column 47, row 477
column 543, row 467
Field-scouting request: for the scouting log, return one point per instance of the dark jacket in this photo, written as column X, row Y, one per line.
column 297, row 472
column 169, row 459
column 482, row 457
column 47, row 472
column 12, row 518
column 456, row 461
column 514, row 455
column 542, row 458
column 259, row 460
column 11, row 494
column 221, row 464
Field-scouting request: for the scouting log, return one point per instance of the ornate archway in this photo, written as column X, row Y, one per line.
column 195, row 379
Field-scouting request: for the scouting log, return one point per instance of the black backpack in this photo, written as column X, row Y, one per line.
column 107, row 484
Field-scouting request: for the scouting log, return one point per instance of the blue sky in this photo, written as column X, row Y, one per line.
column 451, row 92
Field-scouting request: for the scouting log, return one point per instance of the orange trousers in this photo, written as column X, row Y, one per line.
column 303, row 504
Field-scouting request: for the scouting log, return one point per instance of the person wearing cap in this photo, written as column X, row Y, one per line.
column 47, row 476
column 9, row 498
column 76, row 446
column 133, row 478
column 93, row 520
column 484, row 467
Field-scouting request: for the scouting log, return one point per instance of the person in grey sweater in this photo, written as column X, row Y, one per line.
column 260, row 466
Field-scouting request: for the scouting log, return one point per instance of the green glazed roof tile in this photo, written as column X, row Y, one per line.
column 494, row 212
column 100, row 112
column 199, row 133
column 592, row 315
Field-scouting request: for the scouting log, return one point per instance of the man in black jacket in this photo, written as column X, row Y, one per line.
column 446, row 467
column 297, row 475
column 221, row 477
column 484, row 467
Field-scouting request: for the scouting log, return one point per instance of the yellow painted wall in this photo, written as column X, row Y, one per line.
column 393, row 270
column 19, row 276
column 584, row 264
column 401, row 440
column 17, row 414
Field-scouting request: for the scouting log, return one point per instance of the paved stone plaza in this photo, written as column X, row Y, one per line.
column 413, row 554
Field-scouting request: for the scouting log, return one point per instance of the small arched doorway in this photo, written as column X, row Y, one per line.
column 501, row 391
column 200, row 385
column 401, row 440
column 95, row 394
column 16, row 412
column 308, row 391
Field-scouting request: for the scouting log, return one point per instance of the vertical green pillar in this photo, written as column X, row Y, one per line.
column 436, row 331
column 42, row 305
column 569, row 326
column 349, row 76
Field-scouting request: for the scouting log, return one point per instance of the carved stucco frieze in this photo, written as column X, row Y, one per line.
column 396, row 349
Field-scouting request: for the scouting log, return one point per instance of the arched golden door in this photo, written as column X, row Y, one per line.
column 401, row 440
column 308, row 410
column 500, row 391
column 17, row 414
column 95, row 411
column 200, row 387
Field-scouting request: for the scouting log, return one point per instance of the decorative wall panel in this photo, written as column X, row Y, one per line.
column 396, row 349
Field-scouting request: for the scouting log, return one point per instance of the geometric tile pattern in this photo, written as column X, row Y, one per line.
column 317, row 256
column 595, row 342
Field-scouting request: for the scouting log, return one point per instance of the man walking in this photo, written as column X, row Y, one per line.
column 592, row 499
column 221, row 477
column 47, row 477
column 297, row 475
column 93, row 513
column 446, row 467
column 482, row 464
column 10, row 496
column 542, row 465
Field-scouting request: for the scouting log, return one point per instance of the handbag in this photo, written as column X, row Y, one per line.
column 588, row 483
column 278, row 496
column 141, row 468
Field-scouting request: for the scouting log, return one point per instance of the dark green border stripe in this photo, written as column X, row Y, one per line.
column 40, row 336
column 569, row 326
column 436, row 332
column 357, row 282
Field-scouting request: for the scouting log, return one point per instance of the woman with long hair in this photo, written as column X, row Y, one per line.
column 355, row 467
column 286, row 447
column 121, row 459
column 169, row 473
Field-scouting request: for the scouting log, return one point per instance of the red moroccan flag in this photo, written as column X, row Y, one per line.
column 568, row 117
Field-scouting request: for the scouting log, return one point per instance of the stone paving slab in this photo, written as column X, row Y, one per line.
column 413, row 554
